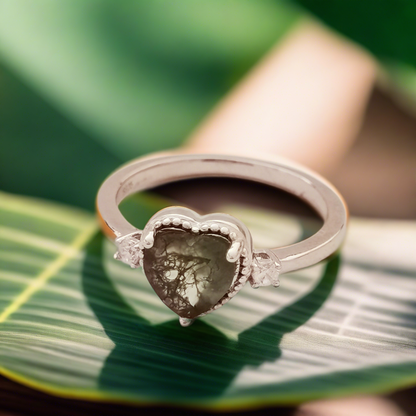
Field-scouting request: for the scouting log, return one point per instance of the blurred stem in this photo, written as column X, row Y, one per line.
column 351, row 406
column 304, row 101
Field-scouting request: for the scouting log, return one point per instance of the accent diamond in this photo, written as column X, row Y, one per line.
column 129, row 249
column 265, row 269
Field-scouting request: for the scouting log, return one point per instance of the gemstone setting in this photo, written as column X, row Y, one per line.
column 197, row 263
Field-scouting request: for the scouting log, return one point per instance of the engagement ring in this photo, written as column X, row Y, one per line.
column 197, row 263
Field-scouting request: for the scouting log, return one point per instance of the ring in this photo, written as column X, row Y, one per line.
column 196, row 263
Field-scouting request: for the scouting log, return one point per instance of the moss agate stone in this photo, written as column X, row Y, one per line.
column 188, row 271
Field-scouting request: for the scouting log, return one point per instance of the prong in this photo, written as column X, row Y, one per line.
column 186, row 321
column 233, row 254
column 149, row 240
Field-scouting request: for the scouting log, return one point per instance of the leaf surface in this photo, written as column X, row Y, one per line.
column 75, row 322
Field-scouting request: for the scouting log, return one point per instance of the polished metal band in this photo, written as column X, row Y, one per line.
column 149, row 172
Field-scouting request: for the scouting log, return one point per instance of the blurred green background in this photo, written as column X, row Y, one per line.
column 88, row 84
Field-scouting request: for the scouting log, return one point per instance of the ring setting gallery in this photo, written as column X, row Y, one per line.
column 195, row 263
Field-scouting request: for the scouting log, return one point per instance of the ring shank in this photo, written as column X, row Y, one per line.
column 148, row 173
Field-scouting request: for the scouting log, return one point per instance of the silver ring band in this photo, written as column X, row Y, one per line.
column 146, row 173
column 150, row 172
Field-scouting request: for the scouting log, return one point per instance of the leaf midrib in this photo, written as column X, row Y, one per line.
column 49, row 271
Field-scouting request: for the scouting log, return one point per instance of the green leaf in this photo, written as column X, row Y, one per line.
column 75, row 322
column 137, row 75
column 86, row 85
column 385, row 28
column 43, row 154
column 400, row 82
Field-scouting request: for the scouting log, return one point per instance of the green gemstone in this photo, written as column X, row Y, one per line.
column 188, row 271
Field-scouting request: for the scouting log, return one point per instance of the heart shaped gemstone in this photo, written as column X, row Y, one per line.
column 188, row 271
